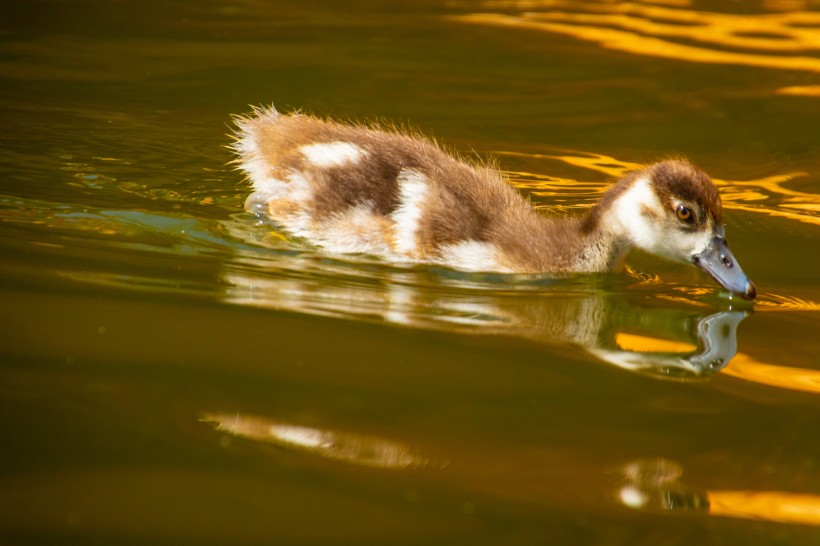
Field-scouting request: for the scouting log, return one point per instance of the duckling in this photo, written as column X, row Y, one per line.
column 358, row 189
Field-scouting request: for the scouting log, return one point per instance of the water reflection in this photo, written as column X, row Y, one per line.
column 716, row 335
column 665, row 338
column 784, row 377
column 348, row 447
column 657, row 485
column 787, row 40
column 681, row 334
column 654, row 484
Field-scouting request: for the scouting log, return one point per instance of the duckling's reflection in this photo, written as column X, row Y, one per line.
column 642, row 334
column 649, row 485
column 352, row 448
column 717, row 344
column 656, row 485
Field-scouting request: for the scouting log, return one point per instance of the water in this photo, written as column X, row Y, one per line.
column 175, row 371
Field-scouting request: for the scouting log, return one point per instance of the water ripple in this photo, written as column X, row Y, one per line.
column 783, row 41
column 768, row 195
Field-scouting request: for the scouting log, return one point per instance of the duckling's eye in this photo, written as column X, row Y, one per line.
column 685, row 214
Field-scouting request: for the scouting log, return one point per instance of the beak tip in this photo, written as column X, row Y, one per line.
column 751, row 291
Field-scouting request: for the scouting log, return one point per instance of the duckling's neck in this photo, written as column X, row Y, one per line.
column 604, row 231
column 603, row 249
column 596, row 242
column 539, row 243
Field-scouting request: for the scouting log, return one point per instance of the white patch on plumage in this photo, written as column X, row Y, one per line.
column 285, row 201
column 471, row 256
column 413, row 189
column 293, row 188
column 356, row 230
column 300, row 224
column 642, row 231
column 254, row 165
column 297, row 188
column 332, row 154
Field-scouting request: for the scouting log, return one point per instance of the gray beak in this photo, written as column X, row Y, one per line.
column 717, row 260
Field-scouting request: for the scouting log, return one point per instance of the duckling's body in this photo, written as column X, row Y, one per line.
column 357, row 189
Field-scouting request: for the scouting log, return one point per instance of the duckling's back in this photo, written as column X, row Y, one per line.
column 351, row 188
column 358, row 189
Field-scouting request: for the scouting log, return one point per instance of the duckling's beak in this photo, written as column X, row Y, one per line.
column 717, row 260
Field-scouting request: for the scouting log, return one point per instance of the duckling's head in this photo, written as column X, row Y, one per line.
column 672, row 209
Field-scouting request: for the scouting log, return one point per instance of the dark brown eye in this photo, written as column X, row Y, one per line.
column 685, row 214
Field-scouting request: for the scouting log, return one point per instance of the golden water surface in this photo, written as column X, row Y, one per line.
column 175, row 371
